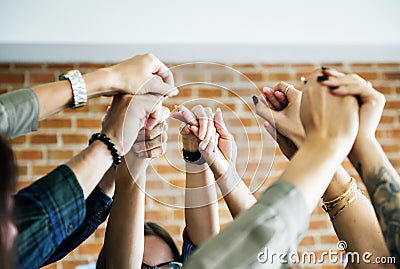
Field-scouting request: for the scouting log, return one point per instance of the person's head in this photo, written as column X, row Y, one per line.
column 8, row 177
column 159, row 247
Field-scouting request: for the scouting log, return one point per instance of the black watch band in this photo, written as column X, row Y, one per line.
column 193, row 157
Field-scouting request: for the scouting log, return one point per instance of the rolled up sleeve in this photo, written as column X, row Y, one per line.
column 48, row 211
column 274, row 224
column 19, row 113
column 98, row 206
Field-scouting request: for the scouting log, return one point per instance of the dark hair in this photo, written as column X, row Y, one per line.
column 8, row 178
column 151, row 228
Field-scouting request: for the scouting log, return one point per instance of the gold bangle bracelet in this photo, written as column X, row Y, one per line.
column 327, row 206
column 346, row 205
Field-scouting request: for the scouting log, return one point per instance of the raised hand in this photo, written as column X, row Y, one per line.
column 372, row 102
column 199, row 117
column 140, row 75
column 151, row 143
column 327, row 116
column 129, row 114
column 283, row 120
column 220, row 153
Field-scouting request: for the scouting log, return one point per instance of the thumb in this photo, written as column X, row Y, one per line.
column 265, row 112
column 292, row 94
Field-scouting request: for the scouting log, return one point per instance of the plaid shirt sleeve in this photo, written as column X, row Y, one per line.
column 48, row 211
column 98, row 206
column 19, row 112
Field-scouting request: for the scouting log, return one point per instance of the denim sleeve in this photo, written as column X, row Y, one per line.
column 98, row 206
column 19, row 113
column 48, row 211
column 273, row 225
column 187, row 247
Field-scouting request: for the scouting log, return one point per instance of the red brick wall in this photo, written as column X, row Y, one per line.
column 65, row 134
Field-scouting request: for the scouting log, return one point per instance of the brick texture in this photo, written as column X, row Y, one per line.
column 63, row 135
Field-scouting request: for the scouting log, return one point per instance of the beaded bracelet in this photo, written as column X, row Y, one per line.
column 110, row 145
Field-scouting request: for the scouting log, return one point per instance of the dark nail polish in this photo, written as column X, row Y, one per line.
column 325, row 68
column 255, row 100
column 322, row 78
column 332, row 88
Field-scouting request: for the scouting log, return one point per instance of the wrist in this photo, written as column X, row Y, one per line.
column 324, row 147
column 114, row 138
column 190, row 145
column 338, row 185
column 102, row 149
column 109, row 144
column 228, row 181
column 330, row 143
column 364, row 140
column 99, row 82
column 363, row 145
column 133, row 167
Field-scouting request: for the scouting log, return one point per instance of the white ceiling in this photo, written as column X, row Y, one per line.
column 120, row 27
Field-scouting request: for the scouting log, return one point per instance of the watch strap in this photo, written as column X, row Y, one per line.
column 193, row 157
column 78, row 87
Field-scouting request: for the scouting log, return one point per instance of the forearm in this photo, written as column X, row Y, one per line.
column 56, row 96
column 201, row 203
column 236, row 194
column 90, row 165
column 107, row 183
column 125, row 227
column 313, row 167
column 356, row 221
column 383, row 185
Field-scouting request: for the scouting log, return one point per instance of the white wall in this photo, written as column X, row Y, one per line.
column 252, row 27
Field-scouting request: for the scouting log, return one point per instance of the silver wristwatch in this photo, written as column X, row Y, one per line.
column 78, row 87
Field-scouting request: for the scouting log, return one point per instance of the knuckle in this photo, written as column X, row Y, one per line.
column 381, row 98
column 281, row 84
column 149, row 55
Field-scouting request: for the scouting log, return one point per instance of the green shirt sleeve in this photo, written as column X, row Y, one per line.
column 19, row 113
column 275, row 224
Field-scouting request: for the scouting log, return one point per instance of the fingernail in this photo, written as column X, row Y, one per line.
column 255, row 100
column 322, row 78
column 325, row 68
column 332, row 88
column 218, row 110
